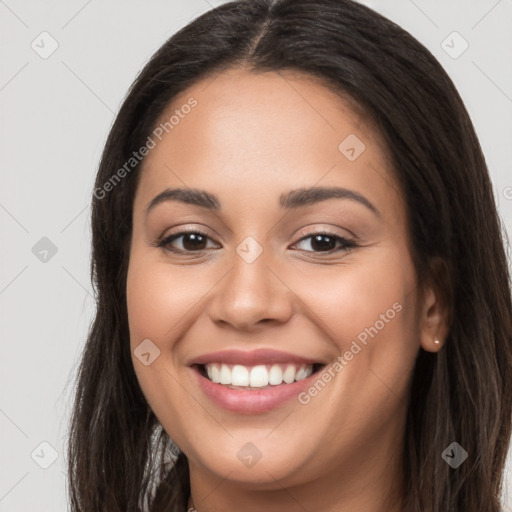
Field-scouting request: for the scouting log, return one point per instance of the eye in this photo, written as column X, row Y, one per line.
column 197, row 241
column 191, row 241
column 326, row 242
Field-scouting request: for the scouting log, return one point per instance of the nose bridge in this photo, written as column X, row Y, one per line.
column 251, row 291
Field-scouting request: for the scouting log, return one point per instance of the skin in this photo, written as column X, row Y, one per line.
column 251, row 137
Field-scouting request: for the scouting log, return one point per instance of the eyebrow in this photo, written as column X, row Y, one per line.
column 306, row 196
column 293, row 199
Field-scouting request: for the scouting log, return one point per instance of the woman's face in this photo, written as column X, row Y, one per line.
column 300, row 259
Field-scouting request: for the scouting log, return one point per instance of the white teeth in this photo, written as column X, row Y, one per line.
column 239, row 375
column 225, row 374
column 289, row 374
column 275, row 375
column 215, row 373
column 301, row 374
column 259, row 376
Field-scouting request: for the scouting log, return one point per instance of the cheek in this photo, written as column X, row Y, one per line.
column 362, row 300
column 159, row 299
column 368, row 311
column 160, row 303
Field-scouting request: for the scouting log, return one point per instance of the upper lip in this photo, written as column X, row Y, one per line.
column 251, row 358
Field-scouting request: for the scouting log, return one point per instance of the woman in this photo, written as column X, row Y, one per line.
column 300, row 278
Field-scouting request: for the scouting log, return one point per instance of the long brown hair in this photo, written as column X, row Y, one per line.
column 119, row 456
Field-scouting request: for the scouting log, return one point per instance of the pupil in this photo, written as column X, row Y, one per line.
column 196, row 240
column 320, row 242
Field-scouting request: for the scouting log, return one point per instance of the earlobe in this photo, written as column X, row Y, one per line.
column 431, row 343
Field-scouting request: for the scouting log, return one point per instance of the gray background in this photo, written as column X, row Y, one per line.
column 56, row 113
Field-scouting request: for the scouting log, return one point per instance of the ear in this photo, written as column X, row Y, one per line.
column 433, row 319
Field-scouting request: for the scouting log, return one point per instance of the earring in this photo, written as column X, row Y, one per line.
column 436, row 341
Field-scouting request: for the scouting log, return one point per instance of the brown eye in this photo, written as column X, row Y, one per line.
column 190, row 241
column 327, row 242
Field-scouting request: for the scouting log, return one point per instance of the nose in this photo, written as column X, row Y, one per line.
column 250, row 295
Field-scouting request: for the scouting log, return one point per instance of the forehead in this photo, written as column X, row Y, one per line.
column 263, row 131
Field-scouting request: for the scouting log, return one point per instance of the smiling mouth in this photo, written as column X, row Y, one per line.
column 257, row 377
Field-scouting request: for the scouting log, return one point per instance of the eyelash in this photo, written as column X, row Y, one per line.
column 346, row 244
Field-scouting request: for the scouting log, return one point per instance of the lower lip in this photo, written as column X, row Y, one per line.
column 251, row 402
